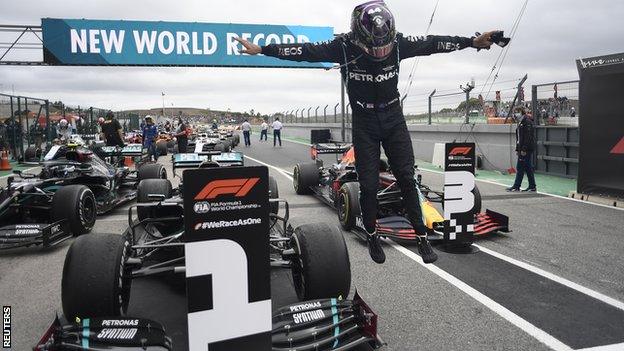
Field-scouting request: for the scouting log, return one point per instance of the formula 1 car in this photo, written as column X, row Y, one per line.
column 338, row 187
column 210, row 141
column 99, row 270
column 64, row 198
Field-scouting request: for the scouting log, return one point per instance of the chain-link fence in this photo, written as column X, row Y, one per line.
column 556, row 103
column 25, row 125
column 28, row 125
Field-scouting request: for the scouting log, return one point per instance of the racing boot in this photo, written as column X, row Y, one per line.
column 425, row 250
column 374, row 247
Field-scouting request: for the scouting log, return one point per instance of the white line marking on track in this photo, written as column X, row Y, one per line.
column 612, row 347
column 499, row 184
column 281, row 171
column 570, row 284
column 24, row 170
column 513, row 318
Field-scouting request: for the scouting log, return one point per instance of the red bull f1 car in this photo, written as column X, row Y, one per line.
column 337, row 186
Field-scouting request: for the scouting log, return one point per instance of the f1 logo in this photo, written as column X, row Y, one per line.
column 460, row 150
column 236, row 187
column 619, row 147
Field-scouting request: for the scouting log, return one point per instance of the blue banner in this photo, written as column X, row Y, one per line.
column 142, row 43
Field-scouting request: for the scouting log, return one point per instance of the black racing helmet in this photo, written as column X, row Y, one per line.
column 373, row 29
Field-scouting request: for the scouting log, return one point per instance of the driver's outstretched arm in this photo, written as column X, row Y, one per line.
column 330, row 51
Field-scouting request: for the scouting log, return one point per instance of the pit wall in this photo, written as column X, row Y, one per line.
column 495, row 142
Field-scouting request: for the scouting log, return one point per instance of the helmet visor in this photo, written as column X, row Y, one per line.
column 377, row 52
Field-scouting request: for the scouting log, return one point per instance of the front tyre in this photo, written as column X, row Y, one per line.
column 273, row 194
column 96, row 280
column 321, row 267
column 77, row 204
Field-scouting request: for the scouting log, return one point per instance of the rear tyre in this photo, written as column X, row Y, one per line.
column 147, row 187
column 321, row 268
column 96, row 281
column 76, row 203
column 477, row 199
column 151, row 171
column 348, row 204
column 273, row 194
column 305, row 175
column 32, row 153
column 161, row 147
column 219, row 147
column 227, row 146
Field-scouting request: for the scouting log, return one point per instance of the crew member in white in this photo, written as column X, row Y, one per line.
column 263, row 130
column 277, row 131
column 246, row 128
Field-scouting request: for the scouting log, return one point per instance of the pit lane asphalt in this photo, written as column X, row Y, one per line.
column 418, row 309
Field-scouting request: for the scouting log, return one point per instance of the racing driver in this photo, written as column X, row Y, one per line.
column 369, row 57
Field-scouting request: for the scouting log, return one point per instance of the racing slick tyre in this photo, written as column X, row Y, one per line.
column 76, row 203
column 219, row 147
column 161, row 147
column 227, row 146
column 96, row 280
column 273, row 194
column 147, row 187
column 321, row 267
column 305, row 175
column 236, row 139
column 32, row 153
column 151, row 171
column 477, row 199
column 348, row 204
column 170, row 144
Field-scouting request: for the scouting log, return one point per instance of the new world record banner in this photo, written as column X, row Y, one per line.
column 143, row 43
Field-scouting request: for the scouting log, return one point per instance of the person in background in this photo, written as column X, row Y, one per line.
column 63, row 130
column 181, row 136
column 572, row 112
column 277, row 131
column 246, row 128
column 112, row 133
column 150, row 131
column 214, row 126
column 264, row 128
column 524, row 149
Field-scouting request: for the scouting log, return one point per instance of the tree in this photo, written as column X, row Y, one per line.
column 473, row 103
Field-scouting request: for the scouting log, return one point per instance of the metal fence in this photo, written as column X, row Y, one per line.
column 556, row 103
column 29, row 124
column 552, row 103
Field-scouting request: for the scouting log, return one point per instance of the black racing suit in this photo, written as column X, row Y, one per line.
column 377, row 113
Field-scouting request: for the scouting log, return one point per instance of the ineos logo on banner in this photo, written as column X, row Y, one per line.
column 227, row 259
column 458, row 197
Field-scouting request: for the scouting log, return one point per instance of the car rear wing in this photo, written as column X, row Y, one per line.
column 131, row 150
column 194, row 160
column 45, row 234
column 329, row 148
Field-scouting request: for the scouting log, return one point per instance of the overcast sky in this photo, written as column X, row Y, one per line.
column 552, row 34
